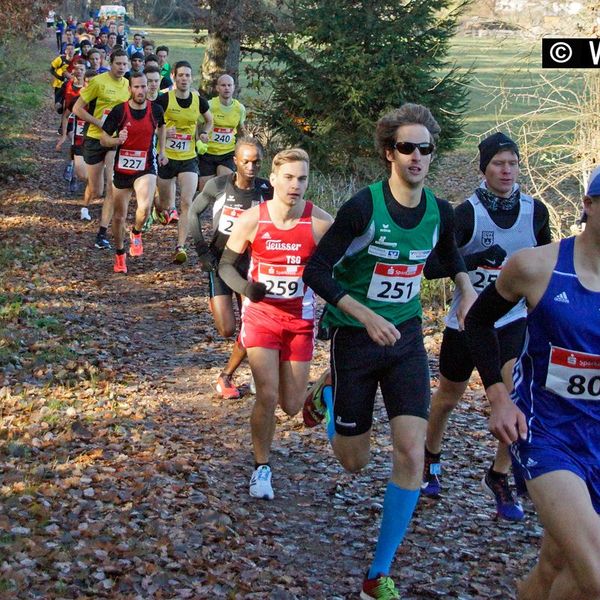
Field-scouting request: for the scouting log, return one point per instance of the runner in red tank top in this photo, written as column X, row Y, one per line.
column 278, row 312
column 136, row 162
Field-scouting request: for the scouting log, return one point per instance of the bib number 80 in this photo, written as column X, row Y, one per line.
column 579, row 385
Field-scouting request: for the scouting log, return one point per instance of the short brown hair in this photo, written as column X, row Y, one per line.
column 289, row 155
column 407, row 114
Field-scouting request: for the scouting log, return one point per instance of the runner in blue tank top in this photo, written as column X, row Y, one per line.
column 553, row 419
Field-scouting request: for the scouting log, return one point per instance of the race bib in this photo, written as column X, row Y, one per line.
column 483, row 276
column 132, row 160
column 223, row 135
column 228, row 218
column 180, row 142
column 573, row 375
column 395, row 283
column 283, row 281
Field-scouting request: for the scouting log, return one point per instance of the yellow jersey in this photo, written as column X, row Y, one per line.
column 183, row 145
column 226, row 120
column 101, row 95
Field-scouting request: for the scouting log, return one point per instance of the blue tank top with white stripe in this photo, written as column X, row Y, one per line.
column 557, row 376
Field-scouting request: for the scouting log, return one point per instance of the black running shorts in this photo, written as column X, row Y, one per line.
column 455, row 359
column 208, row 163
column 94, row 152
column 174, row 167
column 359, row 365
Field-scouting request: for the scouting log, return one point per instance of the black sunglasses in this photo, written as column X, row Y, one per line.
column 425, row 148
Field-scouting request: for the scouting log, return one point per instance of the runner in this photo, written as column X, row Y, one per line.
column 61, row 69
column 553, row 418
column 76, row 168
column 278, row 313
column 183, row 111
column 136, row 46
column 137, row 64
column 229, row 115
column 153, row 78
column 135, row 124
column 230, row 195
column 152, row 61
column 162, row 53
column 368, row 268
column 95, row 102
column 496, row 221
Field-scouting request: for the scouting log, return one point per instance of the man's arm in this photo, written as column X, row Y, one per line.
column 208, row 260
column 111, row 126
column 203, row 129
column 242, row 235
column 81, row 112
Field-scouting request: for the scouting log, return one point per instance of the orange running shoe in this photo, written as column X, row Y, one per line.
column 120, row 263
column 136, row 247
column 226, row 388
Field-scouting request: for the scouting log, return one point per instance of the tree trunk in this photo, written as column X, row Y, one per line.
column 222, row 52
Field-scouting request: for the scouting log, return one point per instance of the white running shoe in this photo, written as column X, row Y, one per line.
column 85, row 214
column 260, row 483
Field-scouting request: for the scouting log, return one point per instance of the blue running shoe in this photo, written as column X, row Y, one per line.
column 508, row 507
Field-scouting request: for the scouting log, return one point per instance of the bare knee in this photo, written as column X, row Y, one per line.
column 409, row 460
column 445, row 400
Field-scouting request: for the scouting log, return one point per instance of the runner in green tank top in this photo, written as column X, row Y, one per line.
column 368, row 268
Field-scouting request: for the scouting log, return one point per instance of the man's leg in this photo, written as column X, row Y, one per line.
column 121, row 199
column 565, row 508
column 221, row 307
column 166, row 194
column 95, row 182
column 188, row 182
column 402, row 491
column 264, row 363
column 293, row 379
column 537, row 585
column 108, row 204
column 144, row 192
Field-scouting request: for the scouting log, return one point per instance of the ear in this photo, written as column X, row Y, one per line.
column 273, row 178
column 389, row 154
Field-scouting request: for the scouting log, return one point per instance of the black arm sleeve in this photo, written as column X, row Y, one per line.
column 481, row 334
column 541, row 223
column 228, row 272
column 350, row 222
column 450, row 260
column 199, row 205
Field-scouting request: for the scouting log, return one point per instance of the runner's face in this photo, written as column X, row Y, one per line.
column 247, row 159
column 153, row 83
column 137, row 40
column 225, row 87
column 162, row 57
column 183, row 79
column 290, row 182
column 148, row 50
column 79, row 72
column 119, row 66
column 136, row 64
column 138, row 88
column 410, row 168
column 95, row 60
column 502, row 172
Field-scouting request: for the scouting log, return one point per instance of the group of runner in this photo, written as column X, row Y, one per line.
column 271, row 250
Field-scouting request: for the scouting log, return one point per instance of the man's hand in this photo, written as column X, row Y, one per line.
column 208, row 261
column 507, row 422
column 122, row 136
column 171, row 131
column 162, row 159
column 491, row 257
column 468, row 297
column 380, row 330
column 60, row 142
column 255, row 291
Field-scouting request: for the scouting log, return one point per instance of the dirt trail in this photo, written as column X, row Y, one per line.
column 122, row 475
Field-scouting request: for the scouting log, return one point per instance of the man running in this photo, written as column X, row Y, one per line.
column 135, row 124
column 188, row 119
column 229, row 115
column 74, row 126
column 553, row 417
column 496, row 221
column 368, row 268
column 95, row 101
column 278, row 312
column 230, row 195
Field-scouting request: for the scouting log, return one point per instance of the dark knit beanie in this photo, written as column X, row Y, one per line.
column 488, row 148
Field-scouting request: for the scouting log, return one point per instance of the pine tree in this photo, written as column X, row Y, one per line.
column 348, row 63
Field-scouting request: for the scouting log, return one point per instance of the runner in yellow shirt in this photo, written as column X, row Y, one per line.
column 228, row 122
column 102, row 94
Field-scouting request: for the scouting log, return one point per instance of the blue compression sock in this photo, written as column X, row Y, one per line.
column 398, row 507
column 327, row 396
